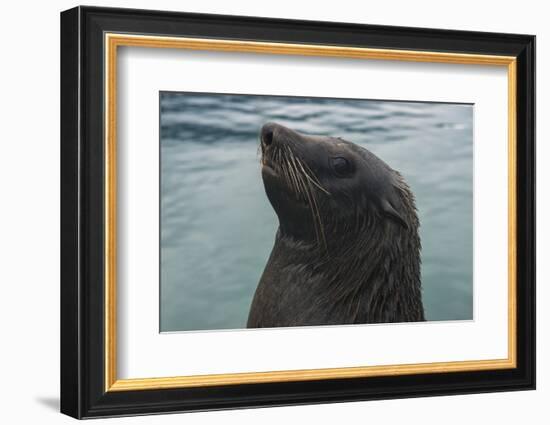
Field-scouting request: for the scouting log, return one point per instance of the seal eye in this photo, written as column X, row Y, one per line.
column 341, row 166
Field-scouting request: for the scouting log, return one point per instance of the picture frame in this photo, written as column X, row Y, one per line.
column 91, row 38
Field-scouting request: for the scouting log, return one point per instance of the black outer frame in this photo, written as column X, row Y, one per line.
column 82, row 219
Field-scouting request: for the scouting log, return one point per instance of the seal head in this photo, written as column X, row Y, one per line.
column 347, row 249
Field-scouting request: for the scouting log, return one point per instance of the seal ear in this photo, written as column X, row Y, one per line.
column 389, row 211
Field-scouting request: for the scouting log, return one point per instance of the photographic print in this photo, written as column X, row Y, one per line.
column 372, row 187
column 303, row 211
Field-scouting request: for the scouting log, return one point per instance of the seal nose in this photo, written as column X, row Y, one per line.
column 270, row 132
column 267, row 136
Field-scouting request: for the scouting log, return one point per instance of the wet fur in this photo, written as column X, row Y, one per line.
column 342, row 254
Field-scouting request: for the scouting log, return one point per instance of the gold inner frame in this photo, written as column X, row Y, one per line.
column 113, row 41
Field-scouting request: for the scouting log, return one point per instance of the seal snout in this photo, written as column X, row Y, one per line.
column 270, row 133
column 273, row 134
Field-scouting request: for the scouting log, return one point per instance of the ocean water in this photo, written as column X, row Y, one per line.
column 218, row 228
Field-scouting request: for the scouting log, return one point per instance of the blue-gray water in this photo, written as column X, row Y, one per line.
column 217, row 226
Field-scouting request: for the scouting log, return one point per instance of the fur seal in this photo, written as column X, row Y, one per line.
column 347, row 249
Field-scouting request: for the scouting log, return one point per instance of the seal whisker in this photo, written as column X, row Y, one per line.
column 318, row 224
column 311, row 179
column 293, row 181
column 299, row 178
column 303, row 184
column 282, row 166
column 279, row 156
column 314, row 216
column 313, row 176
column 295, row 172
column 319, row 221
column 296, row 161
column 289, row 160
column 310, row 176
column 291, row 173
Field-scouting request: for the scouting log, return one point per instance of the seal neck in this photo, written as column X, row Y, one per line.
column 374, row 274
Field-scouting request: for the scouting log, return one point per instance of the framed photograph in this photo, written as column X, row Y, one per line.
column 261, row 212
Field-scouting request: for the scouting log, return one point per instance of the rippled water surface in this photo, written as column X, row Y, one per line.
column 217, row 226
